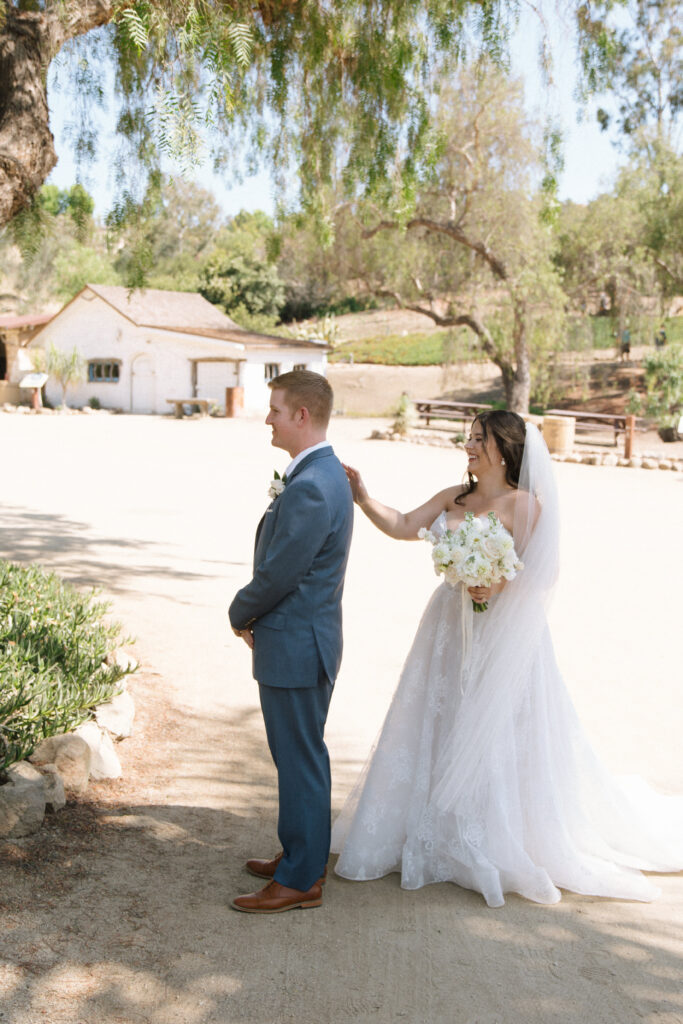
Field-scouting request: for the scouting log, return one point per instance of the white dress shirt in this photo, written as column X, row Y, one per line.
column 302, row 455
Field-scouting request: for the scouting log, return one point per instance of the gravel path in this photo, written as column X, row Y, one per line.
column 118, row 910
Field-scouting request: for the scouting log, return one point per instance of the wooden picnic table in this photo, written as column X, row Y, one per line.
column 438, row 409
column 587, row 422
column 203, row 405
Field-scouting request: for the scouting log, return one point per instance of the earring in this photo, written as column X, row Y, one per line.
column 502, row 462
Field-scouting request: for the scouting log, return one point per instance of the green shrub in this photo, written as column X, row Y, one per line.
column 405, row 415
column 53, row 644
column 664, row 382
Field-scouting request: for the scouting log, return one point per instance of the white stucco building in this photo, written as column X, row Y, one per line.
column 142, row 348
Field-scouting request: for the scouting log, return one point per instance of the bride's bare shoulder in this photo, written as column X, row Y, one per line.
column 451, row 493
column 445, row 498
column 527, row 504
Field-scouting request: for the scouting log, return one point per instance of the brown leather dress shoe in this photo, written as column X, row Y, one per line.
column 275, row 898
column 267, row 868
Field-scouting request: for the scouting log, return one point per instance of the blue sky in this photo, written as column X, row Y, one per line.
column 591, row 161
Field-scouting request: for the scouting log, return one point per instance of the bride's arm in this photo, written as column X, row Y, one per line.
column 399, row 525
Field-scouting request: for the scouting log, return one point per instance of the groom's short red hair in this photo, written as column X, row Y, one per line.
column 304, row 388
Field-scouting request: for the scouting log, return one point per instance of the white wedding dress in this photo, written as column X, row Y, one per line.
column 482, row 774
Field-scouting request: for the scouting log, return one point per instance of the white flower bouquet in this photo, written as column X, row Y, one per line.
column 479, row 553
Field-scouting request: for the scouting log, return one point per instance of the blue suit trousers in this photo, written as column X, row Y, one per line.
column 295, row 725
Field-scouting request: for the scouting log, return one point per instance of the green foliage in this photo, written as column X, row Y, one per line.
column 53, row 644
column 599, row 253
column 76, row 202
column 664, row 384
column 261, row 323
column 134, row 221
column 66, row 249
column 76, row 265
column 435, row 349
column 329, row 91
column 405, row 415
column 242, row 282
column 631, row 52
column 325, row 329
column 65, row 367
column 652, row 182
column 27, row 230
column 477, row 248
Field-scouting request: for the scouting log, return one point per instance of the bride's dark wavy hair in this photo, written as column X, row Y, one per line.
column 509, row 432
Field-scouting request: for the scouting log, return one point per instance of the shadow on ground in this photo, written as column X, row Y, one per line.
column 118, row 911
column 69, row 548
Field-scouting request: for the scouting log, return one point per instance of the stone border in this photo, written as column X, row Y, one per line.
column 63, row 764
column 67, row 410
column 644, row 460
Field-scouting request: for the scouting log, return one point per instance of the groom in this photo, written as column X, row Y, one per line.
column 290, row 617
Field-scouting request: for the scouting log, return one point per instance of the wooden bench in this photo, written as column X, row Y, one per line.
column 203, row 405
column 437, row 409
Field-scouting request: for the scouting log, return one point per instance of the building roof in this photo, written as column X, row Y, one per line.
column 31, row 320
column 184, row 312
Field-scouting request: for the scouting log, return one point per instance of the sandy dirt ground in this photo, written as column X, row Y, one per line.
column 362, row 389
column 118, row 911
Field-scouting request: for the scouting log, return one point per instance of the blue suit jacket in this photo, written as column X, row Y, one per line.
column 293, row 602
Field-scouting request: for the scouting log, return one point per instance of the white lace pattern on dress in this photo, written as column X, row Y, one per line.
column 505, row 800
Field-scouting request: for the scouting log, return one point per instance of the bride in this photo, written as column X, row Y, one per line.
column 482, row 774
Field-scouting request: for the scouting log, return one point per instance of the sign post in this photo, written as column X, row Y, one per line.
column 34, row 381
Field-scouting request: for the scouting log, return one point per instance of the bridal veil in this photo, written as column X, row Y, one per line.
column 482, row 774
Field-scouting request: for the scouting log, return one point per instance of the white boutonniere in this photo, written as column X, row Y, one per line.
column 277, row 485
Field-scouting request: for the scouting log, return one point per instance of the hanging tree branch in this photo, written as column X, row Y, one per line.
column 451, row 230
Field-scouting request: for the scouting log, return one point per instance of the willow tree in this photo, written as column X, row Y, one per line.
column 295, row 82
column 475, row 249
column 632, row 58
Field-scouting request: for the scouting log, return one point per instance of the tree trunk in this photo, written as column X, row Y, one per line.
column 518, row 387
column 27, row 152
column 28, row 42
column 516, row 390
column 517, row 375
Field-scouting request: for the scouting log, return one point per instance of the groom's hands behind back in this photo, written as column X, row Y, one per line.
column 246, row 635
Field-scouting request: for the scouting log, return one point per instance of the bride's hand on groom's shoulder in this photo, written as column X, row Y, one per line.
column 358, row 489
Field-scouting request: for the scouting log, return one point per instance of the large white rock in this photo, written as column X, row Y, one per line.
column 122, row 659
column 22, row 801
column 71, row 756
column 117, row 715
column 104, row 762
column 55, row 797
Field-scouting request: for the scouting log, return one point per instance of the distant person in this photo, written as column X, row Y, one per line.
column 625, row 348
column 660, row 337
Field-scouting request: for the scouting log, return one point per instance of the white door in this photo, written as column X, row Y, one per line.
column 214, row 378
column 143, row 385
